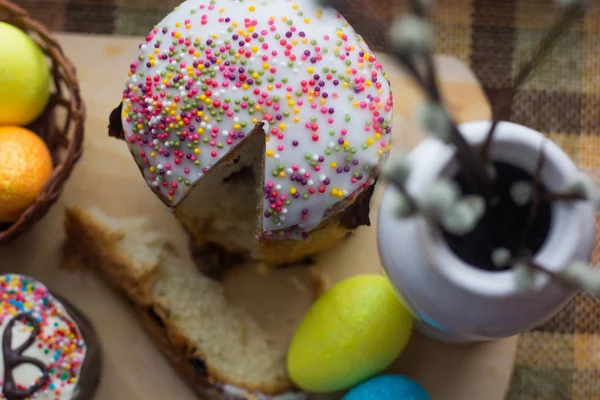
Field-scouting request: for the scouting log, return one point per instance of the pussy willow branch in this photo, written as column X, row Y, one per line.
column 567, row 19
column 408, row 196
column 554, row 275
column 564, row 197
column 368, row 16
column 419, row 8
column 475, row 172
column 535, row 199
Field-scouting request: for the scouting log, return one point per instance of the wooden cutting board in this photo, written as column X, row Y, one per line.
column 108, row 178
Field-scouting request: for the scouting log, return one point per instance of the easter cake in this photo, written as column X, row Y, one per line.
column 49, row 349
column 217, row 346
column 262, row 124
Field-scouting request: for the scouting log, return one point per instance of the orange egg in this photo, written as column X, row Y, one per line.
column 25, row 166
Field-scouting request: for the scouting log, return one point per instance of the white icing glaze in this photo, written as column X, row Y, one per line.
column 304, row 72
column 58, row 346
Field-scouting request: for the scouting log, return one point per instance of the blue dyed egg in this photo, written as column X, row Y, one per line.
column 388, row 387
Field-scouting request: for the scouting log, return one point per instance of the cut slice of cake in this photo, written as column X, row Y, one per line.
column 218, row 347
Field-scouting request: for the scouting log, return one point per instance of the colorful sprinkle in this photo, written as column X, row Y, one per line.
column 205, row 76
column 59, row 344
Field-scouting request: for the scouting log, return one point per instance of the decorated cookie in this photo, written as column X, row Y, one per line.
column 43, row 349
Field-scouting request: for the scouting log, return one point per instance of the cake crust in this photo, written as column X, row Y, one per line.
column 88, row 242
column 206, row 76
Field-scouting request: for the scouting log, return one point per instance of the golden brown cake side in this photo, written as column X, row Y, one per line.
column 215, row 346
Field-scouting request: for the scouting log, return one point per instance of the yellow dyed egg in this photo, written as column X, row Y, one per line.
column 24, row 77
column 25, row 166
column 354, row 331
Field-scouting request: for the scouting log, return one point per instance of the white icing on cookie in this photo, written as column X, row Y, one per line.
column 59, row 346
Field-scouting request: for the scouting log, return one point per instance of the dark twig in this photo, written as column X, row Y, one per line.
column 554, row 275
column 474, row 170
column 419, row 8
column 411, row 201
column 564, row 197
column 467, row 157
column 370, row 18
column 431, row 79
column 535, row 198
column 475, row 173
column 572, row 13
column 413, row 71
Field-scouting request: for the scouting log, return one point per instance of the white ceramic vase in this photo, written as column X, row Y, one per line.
column 454, row 301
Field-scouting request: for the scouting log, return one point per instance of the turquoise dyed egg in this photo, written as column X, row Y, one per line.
column 388, row 387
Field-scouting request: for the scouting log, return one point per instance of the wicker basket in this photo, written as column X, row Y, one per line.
column 61, row 125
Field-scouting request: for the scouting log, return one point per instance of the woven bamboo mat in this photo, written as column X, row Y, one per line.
column 561, row 359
